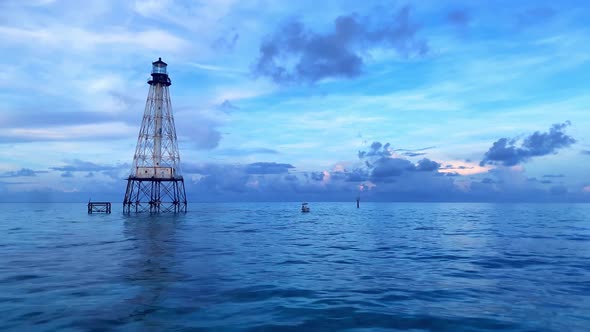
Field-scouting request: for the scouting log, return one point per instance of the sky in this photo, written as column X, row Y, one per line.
column 422, row 101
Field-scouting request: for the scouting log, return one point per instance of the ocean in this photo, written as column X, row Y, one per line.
column 267, row 266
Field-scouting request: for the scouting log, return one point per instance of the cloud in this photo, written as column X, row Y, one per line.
column 268, row 168
column 506, row 152
column 246, row 151
column 317, row 176
column 585, row 152
column 90, row 168
column 413, row 154
column 202, row 134
column 78, row 165
column 384, row 163
column 23, row 172
column 226, row 42
column 217, row 178
column 463, row 167
column 458, row 17
column 553, row 176
column 338, row 53
column 227, row 107
column 390, row 167
column 357, row 175
column 263, row 180
column 450, row 174
column 87, row 132
column 199, row 125
column 278, row 183
column 427, row 165
column 380, row 176
column 395, row 178
column 377, row 150
column 86, row 40
column 37, row 2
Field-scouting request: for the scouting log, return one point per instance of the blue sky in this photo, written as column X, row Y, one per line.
column 307, row 100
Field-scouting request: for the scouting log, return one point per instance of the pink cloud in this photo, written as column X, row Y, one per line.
column 463, row 167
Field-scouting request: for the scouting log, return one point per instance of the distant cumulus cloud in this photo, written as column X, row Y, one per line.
column 380, row 174
column 90, row 168
column 451, row 174
column 227, row 107
column 506, row 152
column 203, row 135
column 268, row 168
column 357, row 175
column 218, row 178
column 383, row 163
column 458, row 17
column 427, row 165
column 389, row 167
column 413, row 154
column 23, row 172
column 383, row 175
column 255, row 181
column 200, row 125
column 377, row 150
column 246, row 151
column 78, row 165
column 338, row 53
column 317, row 176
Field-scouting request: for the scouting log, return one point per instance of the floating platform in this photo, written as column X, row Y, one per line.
column 99, row 207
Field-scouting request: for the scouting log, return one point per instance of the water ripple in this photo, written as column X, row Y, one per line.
column 453, row 267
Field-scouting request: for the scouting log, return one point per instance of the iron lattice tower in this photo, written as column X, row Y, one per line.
column 155, row 183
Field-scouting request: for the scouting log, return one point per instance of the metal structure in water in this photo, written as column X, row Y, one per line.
column 155, row 183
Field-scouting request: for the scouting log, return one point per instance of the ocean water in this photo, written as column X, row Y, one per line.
column 266, row 266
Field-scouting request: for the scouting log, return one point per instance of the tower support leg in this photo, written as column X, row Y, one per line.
column 155, row 195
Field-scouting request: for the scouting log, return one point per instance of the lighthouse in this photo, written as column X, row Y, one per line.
column 155, row 183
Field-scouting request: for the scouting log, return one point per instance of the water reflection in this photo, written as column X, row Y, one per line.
column 151, row 266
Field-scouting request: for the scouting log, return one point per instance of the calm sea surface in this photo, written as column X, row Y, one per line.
column 266, row 266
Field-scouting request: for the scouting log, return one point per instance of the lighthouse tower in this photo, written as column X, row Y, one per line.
column 155, row 183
